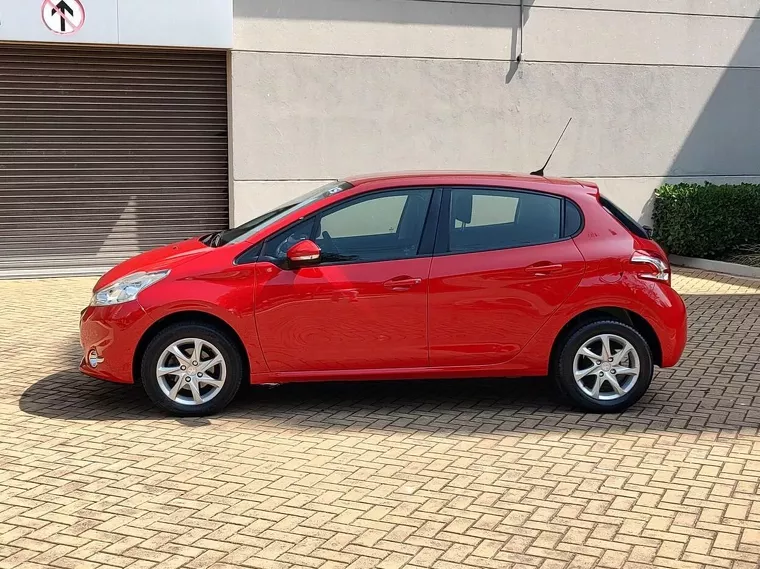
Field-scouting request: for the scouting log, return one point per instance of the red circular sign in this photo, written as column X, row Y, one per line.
column 63, row 17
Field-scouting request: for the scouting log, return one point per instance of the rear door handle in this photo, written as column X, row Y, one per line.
column 543, row 269
column 402, row 283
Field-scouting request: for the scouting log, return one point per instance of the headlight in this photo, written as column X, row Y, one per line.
column 126, row 288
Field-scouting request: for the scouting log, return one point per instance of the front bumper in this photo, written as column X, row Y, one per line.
column 113, row 332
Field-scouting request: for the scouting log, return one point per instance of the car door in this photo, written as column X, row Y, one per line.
column 364, row 305
column 502, row 266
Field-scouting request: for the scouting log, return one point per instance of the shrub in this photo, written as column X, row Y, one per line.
column 706, row 220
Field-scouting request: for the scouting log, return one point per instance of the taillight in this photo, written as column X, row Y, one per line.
column 653, row 267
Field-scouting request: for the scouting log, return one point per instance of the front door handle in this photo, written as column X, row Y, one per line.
column 402, row 283
column 543, row 269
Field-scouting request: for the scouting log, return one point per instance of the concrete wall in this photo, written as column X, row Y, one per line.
column 326, row 88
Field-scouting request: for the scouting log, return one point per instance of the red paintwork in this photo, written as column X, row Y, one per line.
column 108, row 329
column 493, row 313
column 485, row 310
column 170, row 256
column 303, row 251
column 343, row 317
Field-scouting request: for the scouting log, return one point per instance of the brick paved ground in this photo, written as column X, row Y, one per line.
column 438, row 474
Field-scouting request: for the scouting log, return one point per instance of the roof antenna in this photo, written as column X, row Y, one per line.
column 541, row 171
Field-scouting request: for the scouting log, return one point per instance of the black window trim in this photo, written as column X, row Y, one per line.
column 427, row 240
column 430, row 229
column 442, row 237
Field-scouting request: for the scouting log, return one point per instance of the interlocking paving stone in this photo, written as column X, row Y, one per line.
column 441, row 474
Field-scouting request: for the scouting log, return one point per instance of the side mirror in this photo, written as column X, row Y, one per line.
column 648, row 230
column 304, row 252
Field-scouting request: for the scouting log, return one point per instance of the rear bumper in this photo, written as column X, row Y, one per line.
column 113, row 333
column 672, row 330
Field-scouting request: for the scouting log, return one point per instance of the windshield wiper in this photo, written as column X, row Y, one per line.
column 216, row 240
column 212, row 239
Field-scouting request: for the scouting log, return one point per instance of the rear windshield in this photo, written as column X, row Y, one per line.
column 628, row 222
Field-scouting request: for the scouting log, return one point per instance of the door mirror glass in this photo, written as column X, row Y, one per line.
column 304, row 252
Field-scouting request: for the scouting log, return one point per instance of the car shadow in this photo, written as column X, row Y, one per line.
column 678, row 401
column 71, row 395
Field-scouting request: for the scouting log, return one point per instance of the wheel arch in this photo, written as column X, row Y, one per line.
column 636, row 321
column 187, row 316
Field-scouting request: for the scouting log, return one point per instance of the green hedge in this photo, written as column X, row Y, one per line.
column 706, row 220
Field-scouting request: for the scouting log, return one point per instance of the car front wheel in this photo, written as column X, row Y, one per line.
column 604, row 366
column 191, row 369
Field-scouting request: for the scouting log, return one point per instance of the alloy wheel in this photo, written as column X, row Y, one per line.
column 606, row 367
column 191, row 371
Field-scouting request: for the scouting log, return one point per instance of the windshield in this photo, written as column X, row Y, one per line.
column 249, row 228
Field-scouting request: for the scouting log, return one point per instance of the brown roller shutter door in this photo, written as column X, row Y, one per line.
column 105, row 153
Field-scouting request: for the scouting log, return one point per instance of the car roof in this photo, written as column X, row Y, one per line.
column 560, row 185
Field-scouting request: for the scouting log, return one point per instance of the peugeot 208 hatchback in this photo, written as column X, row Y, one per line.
column 426, row 275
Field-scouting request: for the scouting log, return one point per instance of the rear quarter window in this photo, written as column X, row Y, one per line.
column 573, row 219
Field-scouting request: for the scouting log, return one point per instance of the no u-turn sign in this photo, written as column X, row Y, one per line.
column 63, row 16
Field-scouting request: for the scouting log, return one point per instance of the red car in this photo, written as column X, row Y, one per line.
column 430, row 275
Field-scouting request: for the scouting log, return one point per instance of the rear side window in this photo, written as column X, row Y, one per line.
column 490, row 209
column 626, row 220
column 484, row 219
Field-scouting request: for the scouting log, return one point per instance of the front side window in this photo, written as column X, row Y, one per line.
column 376, row 227
column 276, row 247
column 370, row 217
column 484, row 219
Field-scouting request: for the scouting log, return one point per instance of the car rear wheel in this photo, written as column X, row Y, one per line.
column 604, row 366
column 191, row 369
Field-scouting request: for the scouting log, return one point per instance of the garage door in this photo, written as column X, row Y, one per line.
column 105, row 153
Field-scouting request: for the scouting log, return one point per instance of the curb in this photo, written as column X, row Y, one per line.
column 716, row 266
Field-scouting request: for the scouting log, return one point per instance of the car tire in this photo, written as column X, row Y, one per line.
column 204, row 391
column 596, row 391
